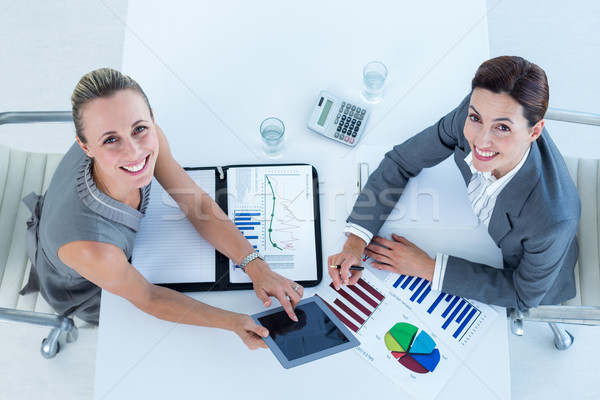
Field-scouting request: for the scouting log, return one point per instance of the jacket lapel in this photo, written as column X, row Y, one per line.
column 512, row 198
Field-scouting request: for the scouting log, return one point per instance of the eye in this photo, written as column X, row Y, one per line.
column 110, row 140
column 139, row 129
column 504, row 128
column 474, row 118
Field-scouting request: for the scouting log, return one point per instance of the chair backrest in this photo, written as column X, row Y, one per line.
column 586, row 175
column 21, row 172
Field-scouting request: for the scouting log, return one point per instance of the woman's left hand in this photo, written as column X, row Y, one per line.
column 400, row 256
column 268, row 283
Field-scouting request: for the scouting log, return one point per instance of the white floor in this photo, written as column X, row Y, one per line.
column 45, row 47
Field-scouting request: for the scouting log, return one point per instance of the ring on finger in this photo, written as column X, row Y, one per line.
column 297, row 287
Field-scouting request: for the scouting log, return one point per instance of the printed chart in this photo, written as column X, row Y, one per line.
column 393, row 339
column 273, row 208
column 416, row 352
column 457, row 321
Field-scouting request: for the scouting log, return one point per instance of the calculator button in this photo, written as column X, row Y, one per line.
column 341, row 109
column 336, row 121
column 346, row 124
column 353, row 108
column 348, row 106
column 346, row 138
column 353, row 120
column 356, row 129
column 336, row 134
column 358, row 109
column 358, row 123
column 351, row 113
column 346, row 111
column 343, row 117
column 354, row 134
column 363, row 111
column 341, row 136
column 343, row 103
column 351, row 140
column 339, row 114
column 359, row 117
column 351, row 127
column 344, row 130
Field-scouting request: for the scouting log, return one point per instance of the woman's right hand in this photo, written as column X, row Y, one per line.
column 350, row 255
column 250, row 332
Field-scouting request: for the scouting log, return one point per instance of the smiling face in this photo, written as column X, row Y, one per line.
column 121, row 137
column 497, row 132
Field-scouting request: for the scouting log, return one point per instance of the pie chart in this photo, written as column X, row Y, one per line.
column 413, row 348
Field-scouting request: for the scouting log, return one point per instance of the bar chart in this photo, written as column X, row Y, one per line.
column 457, row 320
column 393, row 338
column 251, row 224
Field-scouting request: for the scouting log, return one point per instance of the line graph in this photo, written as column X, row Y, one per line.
column 284, row 222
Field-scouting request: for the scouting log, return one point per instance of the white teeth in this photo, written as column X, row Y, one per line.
column 136, row 168
column 485, row 153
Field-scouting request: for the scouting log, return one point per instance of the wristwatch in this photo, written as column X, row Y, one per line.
column 247, row 260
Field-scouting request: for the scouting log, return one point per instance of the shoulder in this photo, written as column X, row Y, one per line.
column 554, row 197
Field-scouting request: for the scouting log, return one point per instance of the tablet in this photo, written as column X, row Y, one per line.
column 317, row 334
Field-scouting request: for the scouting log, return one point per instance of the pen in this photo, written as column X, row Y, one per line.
column 352, row 268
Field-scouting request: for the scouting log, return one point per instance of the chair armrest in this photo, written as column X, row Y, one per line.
column 577, row 117
column 578, row 315
column 25, row 117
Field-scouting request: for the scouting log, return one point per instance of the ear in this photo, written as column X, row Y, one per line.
column 84, row 147
column 536, row 130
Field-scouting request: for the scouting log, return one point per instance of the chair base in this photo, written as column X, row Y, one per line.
column 562, row 338
column 59, row 324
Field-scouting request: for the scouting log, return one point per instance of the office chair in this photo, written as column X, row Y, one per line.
column 584, row 309
column 22, row 172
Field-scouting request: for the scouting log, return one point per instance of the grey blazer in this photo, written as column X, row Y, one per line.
column 534, row 221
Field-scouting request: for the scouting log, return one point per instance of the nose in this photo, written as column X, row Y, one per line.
column 131, row 150
column 484, row 138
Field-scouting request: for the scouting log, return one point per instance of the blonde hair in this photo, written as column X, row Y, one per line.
column 100, row 83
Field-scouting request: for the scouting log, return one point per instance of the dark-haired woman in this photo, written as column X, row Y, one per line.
column 518, row 186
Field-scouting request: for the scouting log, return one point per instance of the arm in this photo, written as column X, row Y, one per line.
column 387, row 182
column 212, row 223
column 545, row 253
column 106, row 266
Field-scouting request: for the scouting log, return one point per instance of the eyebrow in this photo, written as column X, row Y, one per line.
column 113, row 132
column 496, row 120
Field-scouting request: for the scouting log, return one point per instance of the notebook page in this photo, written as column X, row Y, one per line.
column 273, row 208
column 168, row 249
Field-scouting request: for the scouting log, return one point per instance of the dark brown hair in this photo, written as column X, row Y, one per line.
column 100, row 83
column 522, row 80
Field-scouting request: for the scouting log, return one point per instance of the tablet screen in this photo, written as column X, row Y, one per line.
column 313, row 332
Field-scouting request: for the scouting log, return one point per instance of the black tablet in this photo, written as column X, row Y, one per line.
column 318, row 333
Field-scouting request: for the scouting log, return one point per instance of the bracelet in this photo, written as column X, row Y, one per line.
column 246, row 261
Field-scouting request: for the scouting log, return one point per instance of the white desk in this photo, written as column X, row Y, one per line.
column 213, row 71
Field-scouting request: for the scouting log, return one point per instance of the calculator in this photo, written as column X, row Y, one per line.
column 339, row 120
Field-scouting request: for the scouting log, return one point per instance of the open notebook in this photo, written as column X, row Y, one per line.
column 276, row 207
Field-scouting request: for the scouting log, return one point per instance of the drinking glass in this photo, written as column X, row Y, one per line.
column 374, row 76
column 271, row 133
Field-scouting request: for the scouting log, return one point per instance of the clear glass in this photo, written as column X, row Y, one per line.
column 374, row 76
column 271, row 133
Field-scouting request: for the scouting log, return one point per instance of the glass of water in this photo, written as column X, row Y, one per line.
column 374, row 76
column 271, row 133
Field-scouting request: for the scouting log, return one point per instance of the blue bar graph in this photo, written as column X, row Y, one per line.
column 456, row 315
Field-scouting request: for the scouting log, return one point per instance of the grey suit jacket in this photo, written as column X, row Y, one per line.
column 534, row 221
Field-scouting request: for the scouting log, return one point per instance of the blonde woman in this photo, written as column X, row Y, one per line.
column 82, row 230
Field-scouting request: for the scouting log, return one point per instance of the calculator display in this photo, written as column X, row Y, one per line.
column 325, row 113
